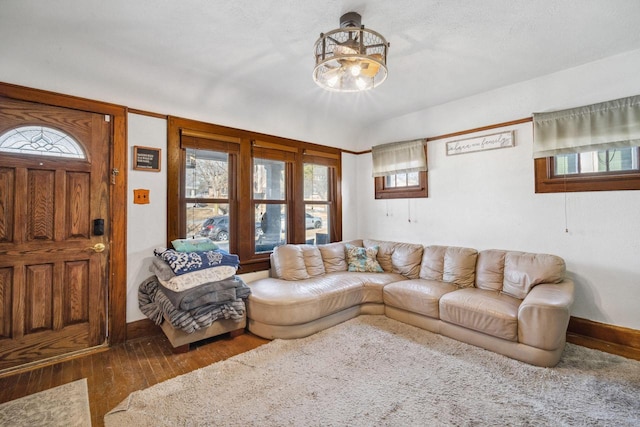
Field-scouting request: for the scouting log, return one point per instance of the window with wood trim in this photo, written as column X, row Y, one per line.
column 322, row 210
column 271, row 200
column 208, row 207
column 400, row 170
column 317, row 203
column 401, row 186
column 603, row 170
column 588, row 148
column 247, row 191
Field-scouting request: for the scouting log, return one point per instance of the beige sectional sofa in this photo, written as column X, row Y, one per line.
column 514, row 303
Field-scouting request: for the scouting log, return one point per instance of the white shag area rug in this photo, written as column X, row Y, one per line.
column 375, row 371
column 64, row 406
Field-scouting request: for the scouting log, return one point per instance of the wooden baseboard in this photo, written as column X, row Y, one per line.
column 601, row 336
column 142, row 328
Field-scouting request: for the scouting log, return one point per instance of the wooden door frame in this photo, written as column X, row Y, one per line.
column 117, row 266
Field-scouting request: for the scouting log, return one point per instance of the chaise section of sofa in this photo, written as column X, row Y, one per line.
column 311, row 290
column 514, row 303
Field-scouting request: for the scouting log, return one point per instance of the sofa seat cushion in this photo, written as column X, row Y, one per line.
column 487, row 311
column 419, row 296
column 284, row 302
column 379, row 280
column 372, row 283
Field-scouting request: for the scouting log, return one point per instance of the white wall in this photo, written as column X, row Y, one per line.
column 486, row 199
column 146, row 224
column 350, row 196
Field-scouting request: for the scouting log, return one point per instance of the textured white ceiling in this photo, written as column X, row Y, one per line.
column 234, row 56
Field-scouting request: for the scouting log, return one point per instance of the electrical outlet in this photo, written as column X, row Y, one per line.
column 141, row 197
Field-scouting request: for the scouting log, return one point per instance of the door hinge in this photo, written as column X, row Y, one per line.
column 114, row 173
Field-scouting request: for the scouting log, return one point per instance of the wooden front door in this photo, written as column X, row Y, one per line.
column 54, row 185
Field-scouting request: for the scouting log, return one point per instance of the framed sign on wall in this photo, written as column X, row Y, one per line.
column 146, row 158
column 480, row 143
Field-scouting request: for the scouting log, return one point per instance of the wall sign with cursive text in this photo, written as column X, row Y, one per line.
column 480, row 143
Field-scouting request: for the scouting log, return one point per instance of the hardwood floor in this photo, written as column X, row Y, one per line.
column 116, row 372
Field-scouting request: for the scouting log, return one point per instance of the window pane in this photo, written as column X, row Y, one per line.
column 207, row 174
column 317, row 223
column 316, row 182
column 623, row 159
column 207, row 177
column 268, row 179
column 209, row 220
column 390, row 181
column 413, row 179
column 401, row 180
column 566, row 164
column 588, row 162
column 270, row 226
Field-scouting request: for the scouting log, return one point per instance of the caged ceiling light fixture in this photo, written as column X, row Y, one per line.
column 351, row 58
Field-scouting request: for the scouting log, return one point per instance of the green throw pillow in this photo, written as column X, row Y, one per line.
column 363, row 259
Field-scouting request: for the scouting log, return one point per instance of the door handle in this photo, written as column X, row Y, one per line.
column 98, row 247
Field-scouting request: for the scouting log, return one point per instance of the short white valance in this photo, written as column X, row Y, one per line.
column 399, row 157
column 611, row 124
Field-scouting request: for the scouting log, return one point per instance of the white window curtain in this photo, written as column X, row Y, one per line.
column 399, row 157
column 611, row 124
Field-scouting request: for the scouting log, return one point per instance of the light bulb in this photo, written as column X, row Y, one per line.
column 361, row 83
column 355, row 70
column 332, row 81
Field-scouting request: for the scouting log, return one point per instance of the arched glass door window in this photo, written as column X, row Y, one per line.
column 40, row 140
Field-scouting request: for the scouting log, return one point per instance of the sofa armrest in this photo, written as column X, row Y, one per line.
column 543, row 315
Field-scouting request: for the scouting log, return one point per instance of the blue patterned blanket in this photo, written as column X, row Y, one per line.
column 186, row 262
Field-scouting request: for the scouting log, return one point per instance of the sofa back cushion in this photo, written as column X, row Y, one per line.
column 401, row 258
column 334, row 256
column 522, row 271
column 515, row 273
column 312, row 260
column 490, row 269
column 449, row 264
column 288, row 263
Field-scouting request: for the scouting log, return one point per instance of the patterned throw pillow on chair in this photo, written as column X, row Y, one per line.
column 363, row 259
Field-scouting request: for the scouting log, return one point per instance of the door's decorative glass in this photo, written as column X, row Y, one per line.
column 41, row 140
